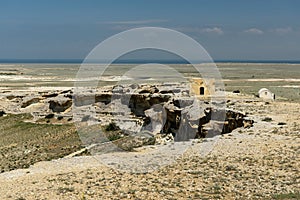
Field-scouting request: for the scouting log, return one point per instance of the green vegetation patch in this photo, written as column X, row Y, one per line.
column 290, row 196
column 24, row 143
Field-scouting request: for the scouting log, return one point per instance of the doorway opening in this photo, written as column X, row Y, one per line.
column 201, row 90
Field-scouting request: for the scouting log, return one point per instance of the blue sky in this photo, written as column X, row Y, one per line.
column 70, row 29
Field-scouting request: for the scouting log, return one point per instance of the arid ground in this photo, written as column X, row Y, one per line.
column 261, row 162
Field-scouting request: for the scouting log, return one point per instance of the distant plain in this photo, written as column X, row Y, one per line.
column 281, row 79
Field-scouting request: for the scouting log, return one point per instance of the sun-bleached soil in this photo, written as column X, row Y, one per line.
column 261, row 162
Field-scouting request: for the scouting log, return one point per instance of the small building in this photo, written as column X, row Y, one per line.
column 199, row 87
column 266, row 94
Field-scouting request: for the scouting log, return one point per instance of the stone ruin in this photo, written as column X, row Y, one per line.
column 161, row 111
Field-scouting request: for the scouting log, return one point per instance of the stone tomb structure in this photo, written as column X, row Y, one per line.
column 202, row 88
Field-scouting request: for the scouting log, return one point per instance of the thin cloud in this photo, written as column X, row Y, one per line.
column 283, row 31
column 213, row 30
column 135, row 22
column 254, row 31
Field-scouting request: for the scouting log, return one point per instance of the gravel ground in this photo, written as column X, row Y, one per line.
column 261, row 162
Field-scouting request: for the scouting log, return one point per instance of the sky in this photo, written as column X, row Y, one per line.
column 228, row 30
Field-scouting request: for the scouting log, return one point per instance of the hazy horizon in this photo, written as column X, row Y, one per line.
column 135, row 61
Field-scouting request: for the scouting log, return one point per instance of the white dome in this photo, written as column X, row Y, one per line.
column 263, row 90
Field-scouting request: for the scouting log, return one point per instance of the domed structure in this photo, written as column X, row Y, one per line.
column 266, row 94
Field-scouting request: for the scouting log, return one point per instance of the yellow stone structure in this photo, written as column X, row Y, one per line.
column 202, row 88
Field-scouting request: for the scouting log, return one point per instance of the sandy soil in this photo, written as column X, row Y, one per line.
column 261, row 162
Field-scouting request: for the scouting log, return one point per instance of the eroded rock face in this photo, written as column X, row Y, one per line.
column 233, row 120
column 149, row 90
column 87, row 99
column 59, row 106
column 139, row 103
column 29, row 100
column 156, row 115
column 201, row 120
column 160, row 109
column 50, row 95
column 190, row 117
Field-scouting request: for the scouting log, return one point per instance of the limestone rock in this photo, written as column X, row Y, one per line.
column 29, row 100
column 157, row 117
column 134, row 141
column 59, row 106
column 162, row 139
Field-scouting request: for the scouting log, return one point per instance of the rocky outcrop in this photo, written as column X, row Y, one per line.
column 88, row 99
column 149, row 90
column 29, row 100
column 59, row 106
column 2, row 113
column 134, row 141
column 50, row 95
column 159, row 109
column 155, row 119
column 139, row 103
column 235, row 120
column 195, row 122
column 163, row 139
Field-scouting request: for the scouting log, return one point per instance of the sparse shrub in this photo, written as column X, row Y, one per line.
column 281, row 123
column 287, row 196
column 112, row 137
column 2, row 113
column 49, row 116
column 112, row 127
column 113, row 132
column 21, row 198
column 275, row 130
column 230, row 168
column 217, row 188
column 267, row 119
column 62, row 190
column 60, row 117
column 83, row 197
